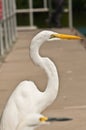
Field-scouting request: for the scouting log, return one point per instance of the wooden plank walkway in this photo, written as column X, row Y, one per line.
column 70, row 57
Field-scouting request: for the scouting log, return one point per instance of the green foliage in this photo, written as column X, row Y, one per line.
column 37, row 3
column 79, row 13
column 22, row 4
column 25, row 4
column 79, row 5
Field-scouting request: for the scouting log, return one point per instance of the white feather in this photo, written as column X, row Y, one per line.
column 26, row 98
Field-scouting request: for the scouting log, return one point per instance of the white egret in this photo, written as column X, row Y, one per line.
column 32, row 121
column 35, row 120
column 26, row 98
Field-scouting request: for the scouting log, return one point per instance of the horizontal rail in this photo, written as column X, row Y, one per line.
column 32, row 10
column 36, row 10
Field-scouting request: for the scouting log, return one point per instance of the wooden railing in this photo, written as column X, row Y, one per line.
column 7, row 25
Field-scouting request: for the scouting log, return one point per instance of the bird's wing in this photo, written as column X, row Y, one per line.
column 27, row 96
column 21, row 102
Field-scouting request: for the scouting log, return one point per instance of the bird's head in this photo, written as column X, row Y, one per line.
column 48, row 35
column 35, row 120
column 44, row 36
column 32, row 121
column 58, row 36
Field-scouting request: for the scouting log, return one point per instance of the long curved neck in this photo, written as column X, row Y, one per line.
column 53, row 82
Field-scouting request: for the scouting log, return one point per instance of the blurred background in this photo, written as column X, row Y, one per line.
column 18, row 22
column 39, row 16
column 21, row 15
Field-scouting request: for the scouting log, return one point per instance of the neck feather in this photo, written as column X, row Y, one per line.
column 53, row 82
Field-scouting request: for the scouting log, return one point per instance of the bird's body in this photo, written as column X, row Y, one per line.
column 26, row 98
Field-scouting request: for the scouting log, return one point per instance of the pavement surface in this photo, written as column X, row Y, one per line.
column 70, row 59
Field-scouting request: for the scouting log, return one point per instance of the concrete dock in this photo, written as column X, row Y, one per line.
column 70, row 59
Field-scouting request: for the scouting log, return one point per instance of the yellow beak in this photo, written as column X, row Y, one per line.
column 43, row 119
column 65, row 36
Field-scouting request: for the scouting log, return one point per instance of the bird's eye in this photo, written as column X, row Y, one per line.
column 52, row 36
column 43, row 119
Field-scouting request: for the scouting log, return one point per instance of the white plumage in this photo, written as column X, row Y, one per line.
column 26, row 98
column 32, row 121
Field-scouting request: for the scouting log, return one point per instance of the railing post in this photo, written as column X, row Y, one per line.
column 14, row 20
column 70, row 14
column 1, row 41
column 5, row 26
column 45, row 4
column 31, row 14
